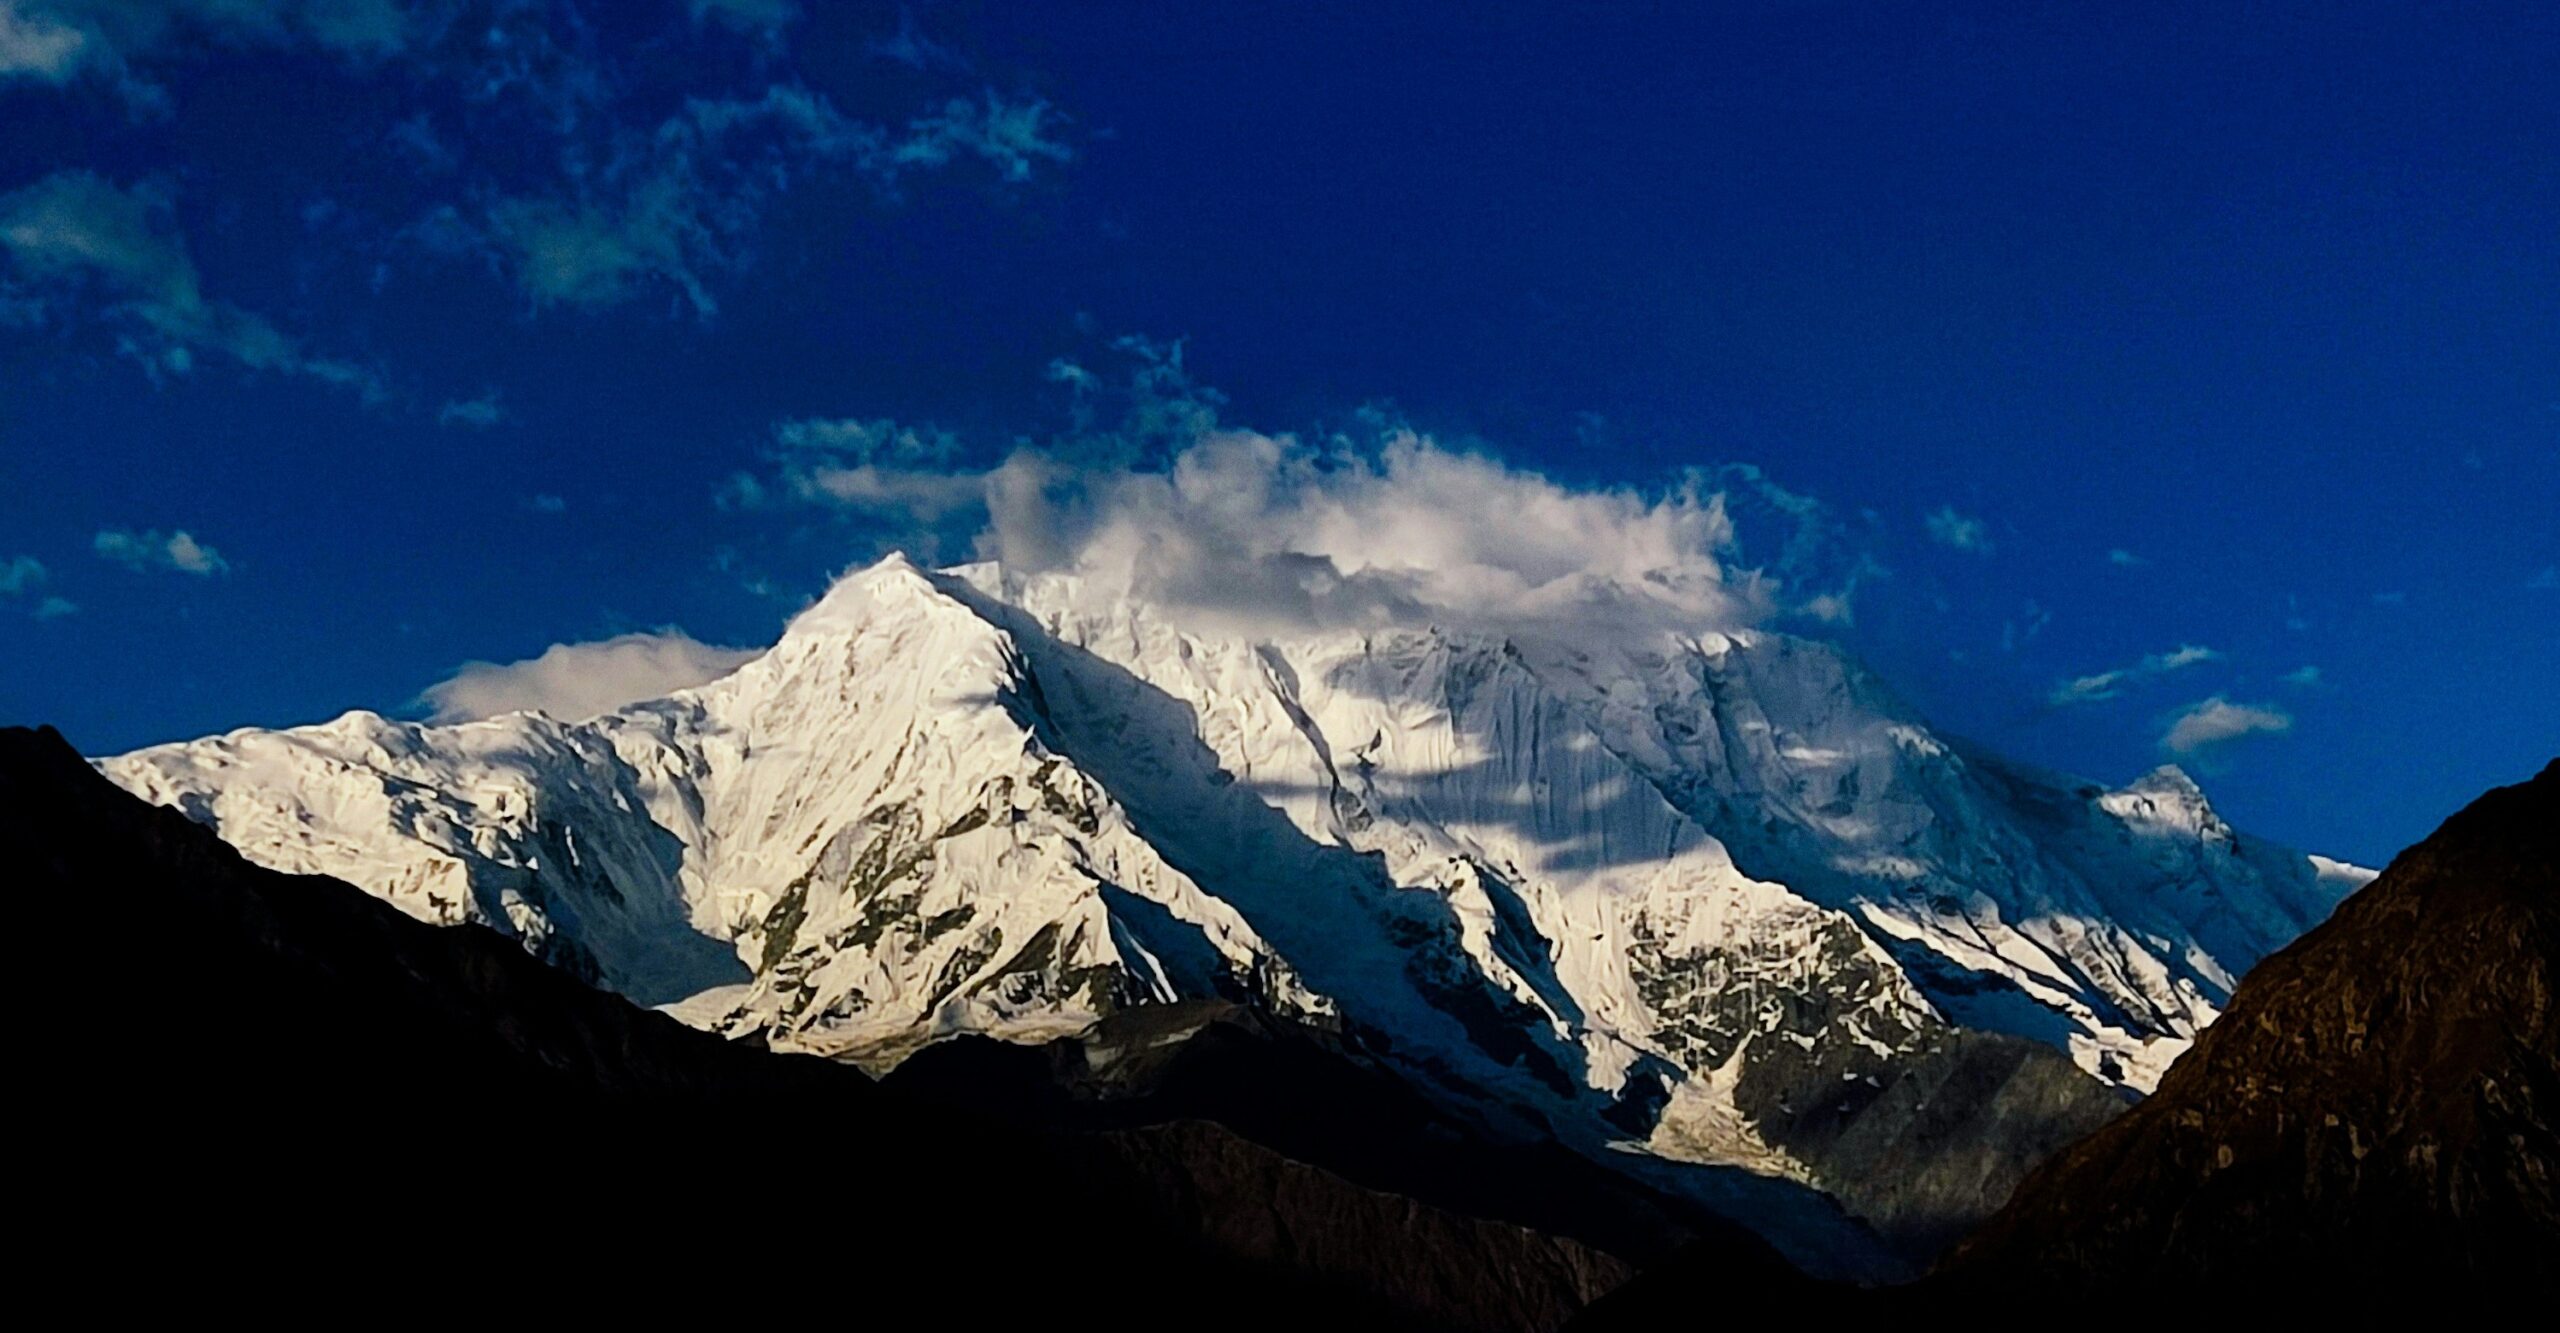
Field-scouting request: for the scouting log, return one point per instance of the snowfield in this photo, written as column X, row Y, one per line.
column 1585, row 888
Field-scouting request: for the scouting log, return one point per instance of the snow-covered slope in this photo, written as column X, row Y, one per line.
column 1715, row 895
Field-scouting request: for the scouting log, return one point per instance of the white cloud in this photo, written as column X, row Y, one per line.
column 677, row 206
column 875, row 466
column 547, row 504
column 1949, row 528
column 38, row 45
column 1271, row 532
column 20, row 575
column 178, row 551
column 747, row 15
column 1013, row 137
column 25, row 576
column 2216, row 721
column 2109, row 684
column 2124, row 559
column 1255, row 533
column 1258, row 533
column 2306, row 677
column 478, row 413
column 75, row 229
column 55, row 41
column 910, row 47
column 579, row 680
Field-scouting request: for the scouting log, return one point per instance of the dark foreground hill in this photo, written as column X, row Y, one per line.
column 2380, row 1106
column 2373, row 1126
column 257, row 1089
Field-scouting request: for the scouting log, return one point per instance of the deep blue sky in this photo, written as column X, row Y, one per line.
column 2266, row 297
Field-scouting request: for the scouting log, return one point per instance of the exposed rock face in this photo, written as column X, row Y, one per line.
column 2379, row 1110
column 294, row 1085
column 1717, row 898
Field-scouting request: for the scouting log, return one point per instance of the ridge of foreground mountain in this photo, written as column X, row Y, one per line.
column 1713, row 909
column 2381, row 1100
column 2371, row 1131
column 315, row 1096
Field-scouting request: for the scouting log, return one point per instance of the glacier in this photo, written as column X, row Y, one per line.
column 1715, row 898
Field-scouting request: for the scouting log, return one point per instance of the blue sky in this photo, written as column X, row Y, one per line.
column 2125, row 383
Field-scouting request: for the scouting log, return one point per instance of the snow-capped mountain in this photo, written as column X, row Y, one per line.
column 1720, row 897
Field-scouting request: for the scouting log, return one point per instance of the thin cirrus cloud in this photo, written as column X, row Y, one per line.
column 2111, row 684
column 571, row 681
column 176, row 552
column 25, row 576
column 477, row 413
column 1959, row 531
column 588, row 203
column 2124, row 559
column 20, row 575
column 2211, row 723
column 76, row 229
column 747, row 15
column 57, row 42
column 673, row 214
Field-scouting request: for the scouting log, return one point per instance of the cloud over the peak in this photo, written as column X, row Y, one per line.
column 1259, row 533
column 570, row 681
column 178, row 551
column 2212, row 722
column 1272, row 531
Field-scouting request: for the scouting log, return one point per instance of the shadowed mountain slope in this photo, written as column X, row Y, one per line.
column 2373, row 1127
column 285, row 1081
column 2381, row 1101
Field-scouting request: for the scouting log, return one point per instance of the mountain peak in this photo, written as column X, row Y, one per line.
column 857, row 595
column 2168, row 780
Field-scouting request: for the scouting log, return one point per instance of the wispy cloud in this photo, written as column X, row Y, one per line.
column 878, row 466
column 579, row 680
column 580, row 162
column 38, row 45
column 2124, row 559
column 677, row 206
column 748, row 15
column 58, row 41
column 75, row 230
column 26, row 576
column 20, row 575
column 2305, row 677
column 178, row 551
column 478, row 413
column 1963, row 533
column 2545, row 581
column 2032, row 621
column 2214, row 722
column 2110, row 684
